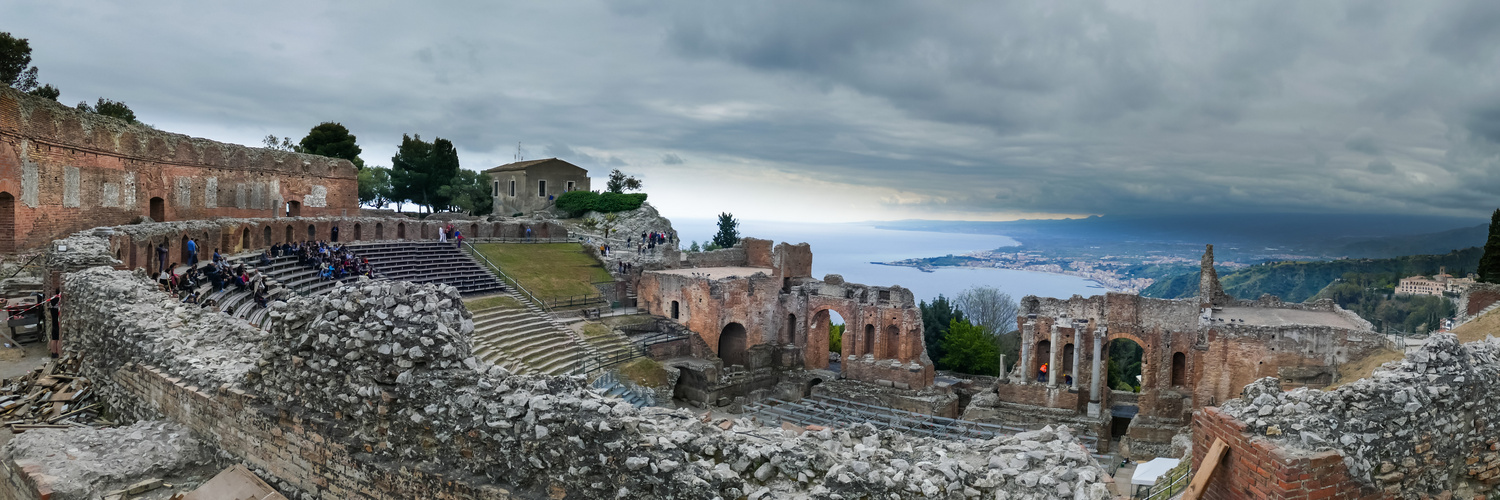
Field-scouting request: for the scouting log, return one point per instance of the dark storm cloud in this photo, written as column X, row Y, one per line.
column 956, row 109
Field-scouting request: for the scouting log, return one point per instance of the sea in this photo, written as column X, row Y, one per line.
column 851, row 250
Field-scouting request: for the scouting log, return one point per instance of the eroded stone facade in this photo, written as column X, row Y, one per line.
column 64, row 170
column 759, row 309
column 1197, row 352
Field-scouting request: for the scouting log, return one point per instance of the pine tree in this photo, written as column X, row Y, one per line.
column 729, row 234
column 1489, row 264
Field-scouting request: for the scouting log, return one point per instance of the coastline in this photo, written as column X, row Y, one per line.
column 1091, row 277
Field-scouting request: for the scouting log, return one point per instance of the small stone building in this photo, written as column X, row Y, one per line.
column 524, row 186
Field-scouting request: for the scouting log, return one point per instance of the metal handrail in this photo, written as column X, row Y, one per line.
column 507, row 278
column 24, row 266
column 1165, row 491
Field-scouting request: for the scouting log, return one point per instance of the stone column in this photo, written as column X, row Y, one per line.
column 1028, row 338
column 1078, row 328
column 1054, row 354
column 1097, row 366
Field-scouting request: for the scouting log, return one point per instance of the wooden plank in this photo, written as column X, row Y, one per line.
column 1206, row 470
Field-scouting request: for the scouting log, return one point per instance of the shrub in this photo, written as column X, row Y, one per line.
column 576, row 203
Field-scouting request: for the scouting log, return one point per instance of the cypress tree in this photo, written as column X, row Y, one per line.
column 1489, row 264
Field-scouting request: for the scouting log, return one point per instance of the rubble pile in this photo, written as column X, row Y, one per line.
column 50, row 396
column 390, row 362
column 1425, row 424
column 119, row 317
column 84, row 463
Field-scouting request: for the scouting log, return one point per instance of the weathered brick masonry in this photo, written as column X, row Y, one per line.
column 64, row 170
column 1425, row 426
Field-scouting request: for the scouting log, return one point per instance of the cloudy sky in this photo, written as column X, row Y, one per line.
column 842, row 111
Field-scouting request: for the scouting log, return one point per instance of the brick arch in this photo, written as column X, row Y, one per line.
column 815, row 347
column 1148, row 368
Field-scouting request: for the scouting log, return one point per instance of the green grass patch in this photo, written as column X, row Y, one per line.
column 498, row 301
column 645, row 372
column 548, row 269
column 592, row 330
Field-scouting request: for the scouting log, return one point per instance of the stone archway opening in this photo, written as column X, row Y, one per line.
column 266, row 237
column 245, row 239
column 288, row 234
column 379, row 231
column 312, row 232
column 807, row 389
column 7, row 223
column 1068, row 370
column 357, row 234
column 400, row 230
column 1179, row 369
column 676, row 312
column 158, row 211
column 293, row 209
column 892, row 342
column 869, row 341
column 1040, row 370
column 789, row 334
column 823, row 347
column 186, row 255
column 1124, row 363
column 732, row 344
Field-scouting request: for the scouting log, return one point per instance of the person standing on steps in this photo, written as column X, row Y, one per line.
column 192, row 249
column 53, row 306
column 161, row 256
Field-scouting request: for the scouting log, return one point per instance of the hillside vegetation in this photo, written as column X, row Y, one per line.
column 1295, row 281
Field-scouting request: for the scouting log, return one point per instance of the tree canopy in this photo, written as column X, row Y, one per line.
column 468, row 191
column 333, row 140
column 935, row 319
column 374, row 186
column 619, row 183
column 1489, row 263
column 16, row 70
column 420, row 170
column 729, row 233
column 109, row 108
column 970, row 349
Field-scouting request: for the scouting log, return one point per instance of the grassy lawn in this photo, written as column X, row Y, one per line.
column 500, row 301
column 547, row 269
column 646, row 372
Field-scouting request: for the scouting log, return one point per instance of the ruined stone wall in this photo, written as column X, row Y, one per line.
column 372, row 392
column 724, row 257
column 882, row 342
column 1477, row 298
column 1255, row 467
column 1218, row 358
column 134, row 245
column 64, row 170
column 1422, row 426
column 792, row 261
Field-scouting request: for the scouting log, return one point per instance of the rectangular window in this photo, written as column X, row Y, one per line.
column 512, row 189
column 497, row 189
column 541, row 188
column 570, row 187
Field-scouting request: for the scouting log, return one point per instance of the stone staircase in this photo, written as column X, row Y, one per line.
column 610, row 386
column 527, row 340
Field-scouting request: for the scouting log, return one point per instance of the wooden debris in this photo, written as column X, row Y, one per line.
column 52, row 396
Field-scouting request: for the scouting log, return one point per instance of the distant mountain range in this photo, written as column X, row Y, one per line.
column 1298, row 281
column 1252, row 237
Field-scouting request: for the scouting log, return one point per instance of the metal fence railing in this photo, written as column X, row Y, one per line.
column 1169, row 484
